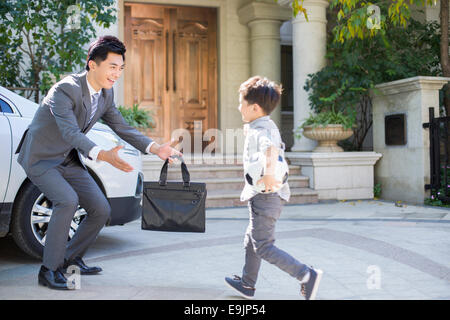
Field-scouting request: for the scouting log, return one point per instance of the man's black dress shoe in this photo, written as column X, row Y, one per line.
column 52, row 279
column 84, row 269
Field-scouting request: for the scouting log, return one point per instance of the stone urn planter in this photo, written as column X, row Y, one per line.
column 327, row 136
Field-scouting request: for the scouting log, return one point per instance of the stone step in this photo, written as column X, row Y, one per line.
column 237, row 183
column 150, row 160
column 202, row 173
column 231, row 198
column 224, row 182
column 152, row 167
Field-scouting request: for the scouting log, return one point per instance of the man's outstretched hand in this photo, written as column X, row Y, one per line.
column 163, row 151
column 112, row 157
column 166, row 150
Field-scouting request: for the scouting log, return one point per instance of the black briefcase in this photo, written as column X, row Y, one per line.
column 174, row 206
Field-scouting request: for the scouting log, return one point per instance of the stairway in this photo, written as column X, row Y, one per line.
column 224, row 182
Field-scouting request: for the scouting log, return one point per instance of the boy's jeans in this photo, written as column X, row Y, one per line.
column 264, row 210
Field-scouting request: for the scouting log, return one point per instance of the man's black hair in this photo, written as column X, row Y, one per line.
column 99, row 49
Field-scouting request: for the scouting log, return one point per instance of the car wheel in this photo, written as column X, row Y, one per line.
column 31, row 214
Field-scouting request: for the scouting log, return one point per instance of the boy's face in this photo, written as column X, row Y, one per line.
column 108, row 71
column 248, row 111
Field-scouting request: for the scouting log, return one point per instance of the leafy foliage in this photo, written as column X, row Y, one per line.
column 136, row 117
column 364, row 19
column 297, row 7
column 41, row 40
column 434, row 200
column 357, row 65
column 377, row 190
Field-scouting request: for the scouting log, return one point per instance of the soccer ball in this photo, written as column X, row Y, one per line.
column 255, row 171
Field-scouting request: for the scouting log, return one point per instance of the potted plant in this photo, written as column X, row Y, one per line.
column 138, row 118
column 327, row 126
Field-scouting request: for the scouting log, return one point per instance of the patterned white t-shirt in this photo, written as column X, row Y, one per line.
column 260, row 135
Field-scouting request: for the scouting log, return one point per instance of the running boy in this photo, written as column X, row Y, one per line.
column 258, row 97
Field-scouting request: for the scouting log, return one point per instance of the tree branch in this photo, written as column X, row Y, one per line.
column 444, row 14
column 30, row 52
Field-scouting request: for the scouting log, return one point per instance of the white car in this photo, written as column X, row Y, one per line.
column 24, row 210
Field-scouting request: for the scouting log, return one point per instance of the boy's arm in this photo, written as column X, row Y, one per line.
column 269, row 171
column 271, row 160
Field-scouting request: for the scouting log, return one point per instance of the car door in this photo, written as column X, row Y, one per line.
column 5, row 149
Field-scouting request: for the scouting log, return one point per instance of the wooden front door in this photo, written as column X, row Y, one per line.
column 171, row 67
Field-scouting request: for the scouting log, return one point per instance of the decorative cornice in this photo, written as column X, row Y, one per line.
column 263, row 11
column 333, row 159
column 412, row 84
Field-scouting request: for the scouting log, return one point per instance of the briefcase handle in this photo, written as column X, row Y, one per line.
column 184, row 172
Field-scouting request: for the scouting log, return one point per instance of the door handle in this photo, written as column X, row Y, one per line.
column 167, row 60
column 174, row 62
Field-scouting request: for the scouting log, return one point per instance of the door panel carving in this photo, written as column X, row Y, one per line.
column 172, row 70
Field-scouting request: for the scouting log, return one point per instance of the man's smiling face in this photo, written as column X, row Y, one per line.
column 107, row 72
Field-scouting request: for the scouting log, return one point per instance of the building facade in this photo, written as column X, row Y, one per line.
column 186, row 59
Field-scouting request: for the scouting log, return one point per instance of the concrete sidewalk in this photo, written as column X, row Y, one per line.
column 367, row 250
column 350, row 210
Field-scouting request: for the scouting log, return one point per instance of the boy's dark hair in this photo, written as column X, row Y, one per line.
column 99, row 49
column 262, row 91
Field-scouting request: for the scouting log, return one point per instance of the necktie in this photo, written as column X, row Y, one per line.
column 95, row 97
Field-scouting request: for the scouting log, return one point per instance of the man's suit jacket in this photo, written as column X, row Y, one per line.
column 62, row 121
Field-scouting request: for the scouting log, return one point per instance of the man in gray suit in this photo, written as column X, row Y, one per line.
column 49, row 154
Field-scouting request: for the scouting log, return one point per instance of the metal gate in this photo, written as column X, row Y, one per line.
column 439, row 157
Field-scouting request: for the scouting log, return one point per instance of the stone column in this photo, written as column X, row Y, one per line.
column 309, row 41
column 264, row 20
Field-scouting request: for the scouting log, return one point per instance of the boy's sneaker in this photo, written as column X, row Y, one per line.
column 310, row 286
column 236, row 284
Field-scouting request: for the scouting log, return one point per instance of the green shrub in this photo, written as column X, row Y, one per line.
column 136, row 117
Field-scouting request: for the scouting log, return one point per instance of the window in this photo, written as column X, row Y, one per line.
column 4, row 107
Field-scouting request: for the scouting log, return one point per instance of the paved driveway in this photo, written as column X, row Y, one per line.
column 367, row 250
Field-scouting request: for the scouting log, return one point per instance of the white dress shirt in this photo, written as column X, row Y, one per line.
column 95, row 150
